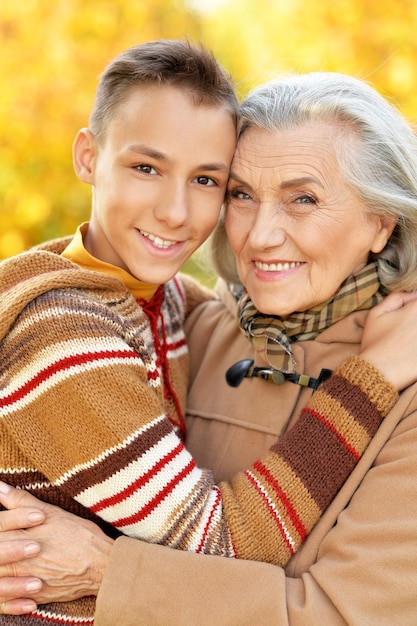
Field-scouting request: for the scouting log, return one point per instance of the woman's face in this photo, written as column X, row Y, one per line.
column 296, row 228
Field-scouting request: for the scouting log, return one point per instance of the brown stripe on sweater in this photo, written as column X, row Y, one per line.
column 370, row 380
column 118, row 459
column 302, row 503
column 38, row 485
column 343, row 422
column 358, row 403
column 261, row 537
column 332, row 462
column 22, row 478
column 177, row 529
column 267, row 537
column 76, row 316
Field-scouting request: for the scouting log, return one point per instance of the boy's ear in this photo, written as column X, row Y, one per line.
column 84, row 150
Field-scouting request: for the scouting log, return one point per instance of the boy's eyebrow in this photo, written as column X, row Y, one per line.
column 215, row 167
column 160, row 156
column 148, row 151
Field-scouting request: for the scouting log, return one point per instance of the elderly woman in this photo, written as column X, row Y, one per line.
column 321, row 219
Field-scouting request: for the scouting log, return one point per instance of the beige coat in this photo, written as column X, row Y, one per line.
column 358, row 566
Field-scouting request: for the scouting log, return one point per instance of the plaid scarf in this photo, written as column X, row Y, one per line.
column 271, row 336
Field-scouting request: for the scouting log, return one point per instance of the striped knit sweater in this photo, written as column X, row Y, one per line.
column 89, row 422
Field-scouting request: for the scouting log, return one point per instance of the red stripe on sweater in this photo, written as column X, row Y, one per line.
column 153, row 375
column 137, row 484
column 291, row 511
column 69, row 621
column 62, row 365
column 207, row 526
column 152, row 504
column 330, row 426
column 176, row 344
column 272, row 512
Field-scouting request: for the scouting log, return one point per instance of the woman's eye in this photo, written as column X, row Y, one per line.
column 305, row 199
column 239, row 195
column 205, row 180
column 145, row 169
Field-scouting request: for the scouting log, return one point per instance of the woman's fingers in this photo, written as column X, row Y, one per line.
column 23, row 517
column 12, row 498
column 14, row 595
column 389, row 339
column 393, row 302
column 14, row 549
column 18, row 606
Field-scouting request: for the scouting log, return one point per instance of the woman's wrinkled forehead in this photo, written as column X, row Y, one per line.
column 258, row 147
column 310, row 147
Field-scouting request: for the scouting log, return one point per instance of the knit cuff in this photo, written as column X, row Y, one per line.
column 370, row 381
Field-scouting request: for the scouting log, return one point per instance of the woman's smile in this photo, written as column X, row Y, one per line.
column 280, row 266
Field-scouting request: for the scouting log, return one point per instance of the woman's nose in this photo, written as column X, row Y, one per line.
column 268, row 228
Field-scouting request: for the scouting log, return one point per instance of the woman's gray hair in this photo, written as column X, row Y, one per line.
column 381, row 166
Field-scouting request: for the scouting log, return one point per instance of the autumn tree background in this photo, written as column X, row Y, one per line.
column 53, row 52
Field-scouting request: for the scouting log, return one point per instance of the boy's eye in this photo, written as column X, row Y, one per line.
column 205, row 180
column 146, row 169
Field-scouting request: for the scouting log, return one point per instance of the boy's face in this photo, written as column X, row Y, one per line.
column 159, row 180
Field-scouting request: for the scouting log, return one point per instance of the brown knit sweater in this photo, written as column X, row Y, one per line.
column 91, row 402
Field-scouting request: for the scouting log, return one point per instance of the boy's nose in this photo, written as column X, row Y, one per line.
column 172, row 207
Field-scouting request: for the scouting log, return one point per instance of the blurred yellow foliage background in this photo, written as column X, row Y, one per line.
column 53, row 53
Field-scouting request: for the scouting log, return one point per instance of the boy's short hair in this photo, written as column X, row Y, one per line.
column 179, row 63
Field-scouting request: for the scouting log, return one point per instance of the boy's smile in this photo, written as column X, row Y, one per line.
column 159, row 180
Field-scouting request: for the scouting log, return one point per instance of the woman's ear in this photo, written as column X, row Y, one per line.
column 386, row 225
column 84, row 151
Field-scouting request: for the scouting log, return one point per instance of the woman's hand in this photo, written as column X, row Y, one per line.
column 63, row 558
column 14, row 592
column 389, row 340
